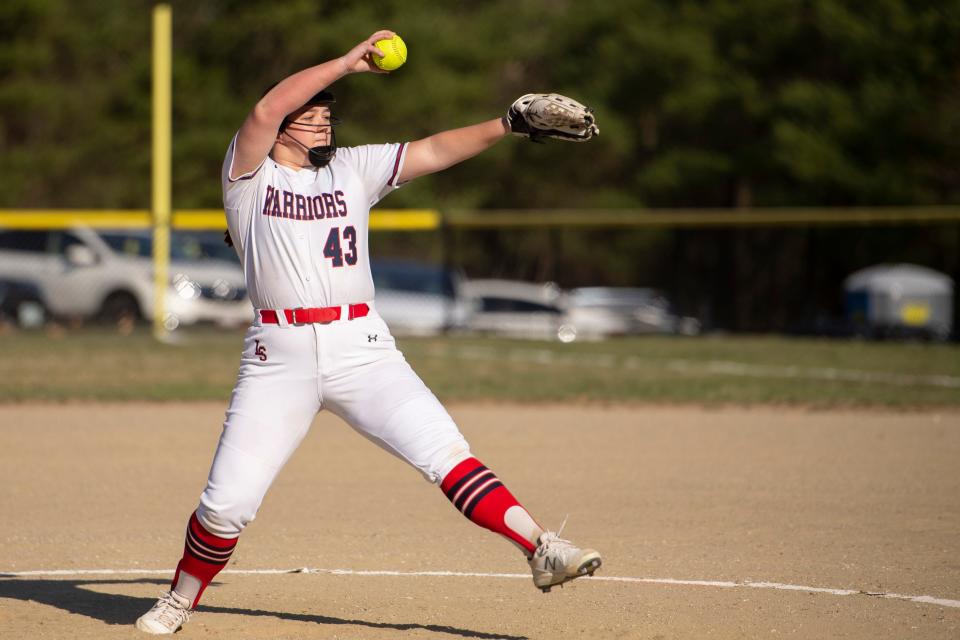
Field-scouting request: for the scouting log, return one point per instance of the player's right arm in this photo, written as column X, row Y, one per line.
column 259, row 131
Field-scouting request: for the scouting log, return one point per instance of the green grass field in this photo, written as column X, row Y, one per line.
column 92, row 364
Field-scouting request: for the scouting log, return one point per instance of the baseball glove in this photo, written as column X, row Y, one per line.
column 550, row 115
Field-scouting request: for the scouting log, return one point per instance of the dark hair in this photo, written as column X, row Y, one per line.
column 324, row 97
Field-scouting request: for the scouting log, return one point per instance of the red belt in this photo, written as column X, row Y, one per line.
column 304, row 315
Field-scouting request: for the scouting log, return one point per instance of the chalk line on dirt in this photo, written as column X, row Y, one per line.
column 723, row 584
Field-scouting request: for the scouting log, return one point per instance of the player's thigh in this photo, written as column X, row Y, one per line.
column 277, row 394
column 388, row 402
column 271, row 410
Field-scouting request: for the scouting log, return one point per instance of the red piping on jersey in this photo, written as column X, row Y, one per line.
column 233, row 157
column 250, row 175
column 396, row 165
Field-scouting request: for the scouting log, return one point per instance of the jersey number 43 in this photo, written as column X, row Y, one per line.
column 332, row 247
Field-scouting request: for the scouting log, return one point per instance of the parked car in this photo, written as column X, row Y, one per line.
column 546, row 312
column 598, row 312
column 416, row 298
column 519, row 310
column 108, row 275
column 21, row 303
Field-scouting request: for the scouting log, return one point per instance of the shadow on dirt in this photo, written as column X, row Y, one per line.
column 75, row 596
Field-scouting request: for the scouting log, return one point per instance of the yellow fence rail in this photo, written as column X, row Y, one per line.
column 769, row 217
column 189, row 219
column 431, row 219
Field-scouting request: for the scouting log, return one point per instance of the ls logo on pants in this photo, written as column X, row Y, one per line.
column 260, row 351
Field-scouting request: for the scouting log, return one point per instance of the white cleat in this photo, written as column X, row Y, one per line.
column 557, row 561
column 168, row 615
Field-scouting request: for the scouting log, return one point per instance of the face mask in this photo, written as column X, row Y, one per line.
column 320, row 156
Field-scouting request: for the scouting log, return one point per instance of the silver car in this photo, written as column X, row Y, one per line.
column 418, row 298
column 598, row 312
column 108, row 275
column 543, row 311
column 515, row 309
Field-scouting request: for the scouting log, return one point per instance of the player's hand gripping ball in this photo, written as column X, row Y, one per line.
column 395, row 53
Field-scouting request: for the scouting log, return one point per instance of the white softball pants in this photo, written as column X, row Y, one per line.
column 290, row 373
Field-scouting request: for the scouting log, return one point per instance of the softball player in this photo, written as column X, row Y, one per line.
column 297, row 209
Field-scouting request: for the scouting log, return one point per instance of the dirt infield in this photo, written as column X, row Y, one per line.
column 726, row 523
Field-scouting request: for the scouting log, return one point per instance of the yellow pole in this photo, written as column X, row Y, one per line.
column 161, row 131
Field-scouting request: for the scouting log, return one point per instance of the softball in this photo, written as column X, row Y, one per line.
column 395, row 53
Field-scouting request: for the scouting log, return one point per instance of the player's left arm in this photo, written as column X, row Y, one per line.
column 441, row 150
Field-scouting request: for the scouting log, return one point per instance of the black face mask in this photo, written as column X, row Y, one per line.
column 320, row 156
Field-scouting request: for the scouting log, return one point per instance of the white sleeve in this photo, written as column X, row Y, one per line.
column 234, row 188
column 378, row 165
column 240, row 196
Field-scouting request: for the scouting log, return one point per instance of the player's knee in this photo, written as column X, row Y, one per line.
column 445, row 459
column 226, row 519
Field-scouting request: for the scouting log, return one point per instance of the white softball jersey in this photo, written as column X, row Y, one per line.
column 302, row 234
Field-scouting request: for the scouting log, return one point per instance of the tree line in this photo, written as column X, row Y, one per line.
column 726, row 103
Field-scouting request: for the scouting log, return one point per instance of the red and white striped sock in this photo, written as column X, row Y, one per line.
column 482, row 498
column 204, row 555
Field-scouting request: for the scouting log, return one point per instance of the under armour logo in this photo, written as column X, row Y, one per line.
column 371, row 337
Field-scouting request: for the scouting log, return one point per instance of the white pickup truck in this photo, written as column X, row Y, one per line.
column 108, row 275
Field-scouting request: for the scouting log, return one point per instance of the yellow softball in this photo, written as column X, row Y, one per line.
column 395, row 53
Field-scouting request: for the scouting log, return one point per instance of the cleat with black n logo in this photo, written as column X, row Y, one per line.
column 557, row 561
